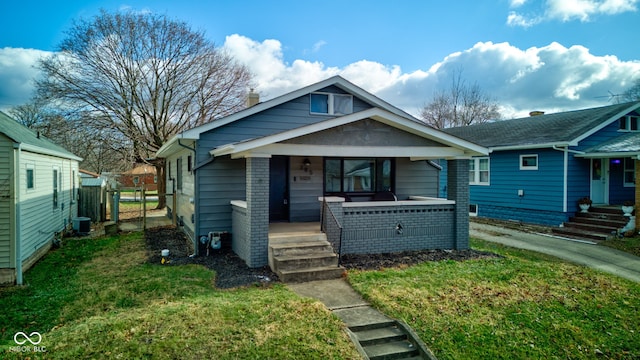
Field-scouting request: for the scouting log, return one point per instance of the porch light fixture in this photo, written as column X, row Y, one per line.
column 306, row 164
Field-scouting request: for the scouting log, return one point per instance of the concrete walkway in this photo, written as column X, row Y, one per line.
column 584, row 253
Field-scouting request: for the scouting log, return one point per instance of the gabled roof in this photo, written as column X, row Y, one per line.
column 621, row 146
column 338, row 81
column 453, row 147
column 559, row 129
column 30, row 140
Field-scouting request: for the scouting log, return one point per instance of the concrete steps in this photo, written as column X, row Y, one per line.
column 598, row 224
column 389, row 340
column 300, row 257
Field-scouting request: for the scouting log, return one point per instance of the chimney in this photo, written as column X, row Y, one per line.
column 253, row 98
column 536, row 113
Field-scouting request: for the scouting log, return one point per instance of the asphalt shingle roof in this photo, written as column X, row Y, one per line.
column 555, row 128
column 22, row 134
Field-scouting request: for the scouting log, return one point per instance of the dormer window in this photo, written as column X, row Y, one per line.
column 629, row 123
column 331, row 104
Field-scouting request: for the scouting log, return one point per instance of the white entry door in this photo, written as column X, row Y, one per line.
column 600, row 181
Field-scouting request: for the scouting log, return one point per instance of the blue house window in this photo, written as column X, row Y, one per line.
column 629, row 123
column 629, row 172
column 479, row 171
column 331, row 104
column 529, row 162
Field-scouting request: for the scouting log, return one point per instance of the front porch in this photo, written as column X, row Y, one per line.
column 351, row 227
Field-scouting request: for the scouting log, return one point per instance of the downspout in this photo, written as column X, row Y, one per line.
column 18, row 222
column 195, row 191
column 565, row 181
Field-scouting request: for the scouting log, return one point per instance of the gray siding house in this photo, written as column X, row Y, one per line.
column 38, row 196
column 328, row 148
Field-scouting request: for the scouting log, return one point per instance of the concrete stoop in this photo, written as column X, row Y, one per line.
column 302, row 258
column 600, row 223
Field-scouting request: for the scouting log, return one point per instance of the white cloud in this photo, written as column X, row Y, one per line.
column 516, row 3
column 549, row 78
column 17, row 73
column 569, row 10
column 318, row 45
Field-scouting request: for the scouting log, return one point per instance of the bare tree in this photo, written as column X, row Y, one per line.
column 144, row 75
column 632, row 93
column 75, row 132
column 460, row 105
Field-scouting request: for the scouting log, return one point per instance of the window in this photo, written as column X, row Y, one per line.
column 473, row 209
column 189, row 166
column 30, row 177
column 629, row 172
column 528, row 162
column 368, row 175
column 479, row 171
column 179, row 173
column 73, row 186
column 55, row 188
column 331, row 104
column 629, row 123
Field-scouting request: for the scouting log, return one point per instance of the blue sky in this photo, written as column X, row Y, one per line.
column 546, row 55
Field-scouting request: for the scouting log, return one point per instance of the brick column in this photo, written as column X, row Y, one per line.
column 458, row 190
column 257, row 172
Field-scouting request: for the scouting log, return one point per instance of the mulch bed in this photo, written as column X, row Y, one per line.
column 231, row 271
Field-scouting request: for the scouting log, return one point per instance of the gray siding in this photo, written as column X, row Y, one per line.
column 6, row 180
column 415, row 178
column 40, row 220
column 218, row 183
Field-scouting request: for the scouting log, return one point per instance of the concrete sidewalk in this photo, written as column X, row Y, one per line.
column 584, row 253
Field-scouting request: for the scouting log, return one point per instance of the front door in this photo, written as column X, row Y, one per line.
column 279, row 188
column 599, row 181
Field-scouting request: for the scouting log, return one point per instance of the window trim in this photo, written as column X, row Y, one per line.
column 330, row 103
column 32, row 168
column 624, row 172
column 56, row 185
column 523, row 167
column 476, row 171
column 473, row 207
column 627, row 123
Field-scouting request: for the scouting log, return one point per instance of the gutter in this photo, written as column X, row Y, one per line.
column 18, row 220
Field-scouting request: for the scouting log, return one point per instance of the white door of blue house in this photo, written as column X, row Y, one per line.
column 600, row 181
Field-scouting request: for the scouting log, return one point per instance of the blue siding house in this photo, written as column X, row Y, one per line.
column 330, row 147
column 539, row 166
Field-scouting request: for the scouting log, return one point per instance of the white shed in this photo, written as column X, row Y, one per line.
column 38, row 196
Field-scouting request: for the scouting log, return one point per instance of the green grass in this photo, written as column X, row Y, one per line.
column 522, row 306
column 100, row 299
column 630, row 245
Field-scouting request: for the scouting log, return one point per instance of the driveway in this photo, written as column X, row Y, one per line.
column 585, row 253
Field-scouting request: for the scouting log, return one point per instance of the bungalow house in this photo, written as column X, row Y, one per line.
column 38, row 196
column 540, row 166
column 323, row 152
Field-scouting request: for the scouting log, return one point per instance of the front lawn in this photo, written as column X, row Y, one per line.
column 99, row 298
column 522, row 306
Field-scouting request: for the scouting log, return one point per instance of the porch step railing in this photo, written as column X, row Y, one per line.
column 330, row 225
